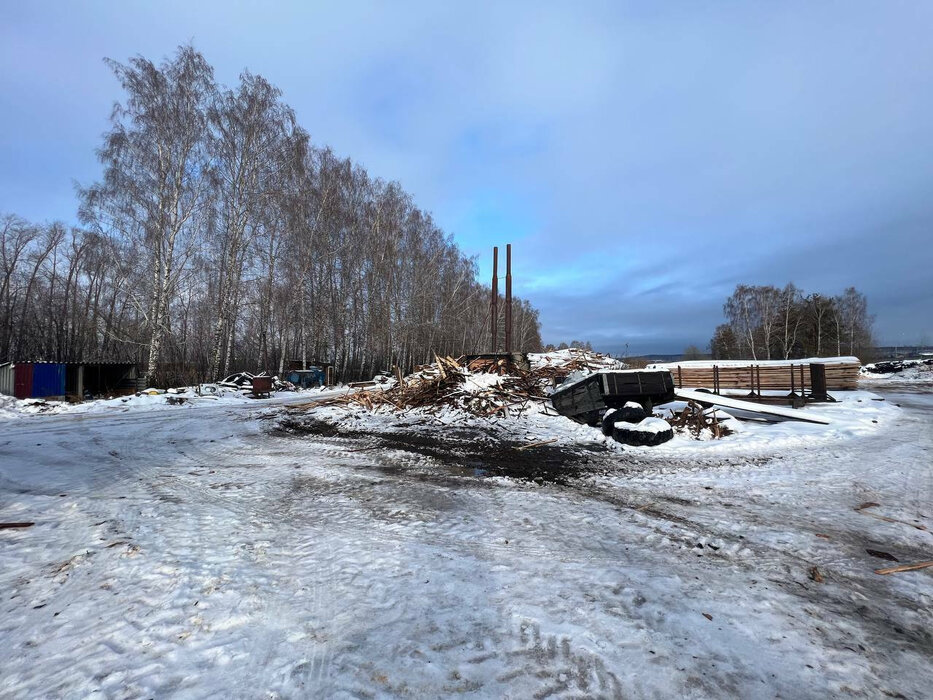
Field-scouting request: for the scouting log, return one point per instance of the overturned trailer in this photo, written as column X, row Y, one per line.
column 585, row 399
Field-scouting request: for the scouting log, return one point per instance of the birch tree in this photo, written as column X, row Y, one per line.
column 155, row 157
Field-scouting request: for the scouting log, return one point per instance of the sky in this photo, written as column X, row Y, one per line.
column 642, row 158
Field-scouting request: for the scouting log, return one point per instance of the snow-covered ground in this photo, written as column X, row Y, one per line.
column 154, row 399
column 205, row 552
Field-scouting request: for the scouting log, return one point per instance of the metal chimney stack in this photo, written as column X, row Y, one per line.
column 508, row 298
column 494, row 304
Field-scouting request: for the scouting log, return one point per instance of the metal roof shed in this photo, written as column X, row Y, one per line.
column 34, row 380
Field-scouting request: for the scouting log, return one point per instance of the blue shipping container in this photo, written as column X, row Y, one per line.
column 306, row 378
column 48, row 380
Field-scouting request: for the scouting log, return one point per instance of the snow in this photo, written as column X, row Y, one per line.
column 559, row 358
column 647, row 425
column 856, row 414
column 194, row 551
column 476, row 383
column 9, row 407
column 155, row 399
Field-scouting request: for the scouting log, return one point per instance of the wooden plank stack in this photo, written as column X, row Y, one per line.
column 774, row 375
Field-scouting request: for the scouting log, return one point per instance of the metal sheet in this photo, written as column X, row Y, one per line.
column 48, row 380
column 726, row 402
column 7, row 379
column 23, row 381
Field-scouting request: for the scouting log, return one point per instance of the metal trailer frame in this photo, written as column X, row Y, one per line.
column 586, row 399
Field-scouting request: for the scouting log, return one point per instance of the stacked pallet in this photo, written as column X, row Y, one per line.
column 767, row 375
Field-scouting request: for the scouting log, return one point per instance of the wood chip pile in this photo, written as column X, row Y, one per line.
column 485, row 387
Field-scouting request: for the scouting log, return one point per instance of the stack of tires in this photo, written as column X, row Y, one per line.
column 631, row 425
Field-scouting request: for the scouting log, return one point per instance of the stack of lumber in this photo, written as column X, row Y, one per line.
column 774, row 375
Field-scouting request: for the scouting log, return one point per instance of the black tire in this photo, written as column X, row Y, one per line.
column 626, row 414
column 630, row 414
column 609, row 419
column 635, row 436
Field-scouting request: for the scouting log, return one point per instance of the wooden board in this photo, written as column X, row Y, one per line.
column 726, row 402
column 770, row 375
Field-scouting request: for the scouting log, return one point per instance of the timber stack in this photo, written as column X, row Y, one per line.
column 768, row 375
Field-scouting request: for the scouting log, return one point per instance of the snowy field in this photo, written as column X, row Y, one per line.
column 213, row 550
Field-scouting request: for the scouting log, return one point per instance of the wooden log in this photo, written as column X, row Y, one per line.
column 537, row 444
column 863, row 510
column 904, row 567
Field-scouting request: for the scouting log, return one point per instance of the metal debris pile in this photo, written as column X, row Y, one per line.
column 696, row 419
column 896, row 366
column 244, row 382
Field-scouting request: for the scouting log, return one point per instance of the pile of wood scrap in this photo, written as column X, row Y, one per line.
column 558, row 365
column 492, row 365
column 449, row 383
column 776, row 375
column 484, row 386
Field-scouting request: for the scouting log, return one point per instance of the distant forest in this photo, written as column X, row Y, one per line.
column 221, row 238
column 765, row 323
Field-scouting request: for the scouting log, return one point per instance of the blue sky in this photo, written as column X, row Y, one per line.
column 642, row 158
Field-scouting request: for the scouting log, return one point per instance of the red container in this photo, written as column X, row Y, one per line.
column 22, row 381
column 262, row 385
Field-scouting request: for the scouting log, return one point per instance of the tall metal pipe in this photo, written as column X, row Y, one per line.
column 508, row 298
column 494, row 304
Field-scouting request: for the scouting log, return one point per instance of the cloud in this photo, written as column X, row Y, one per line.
column 643, row 158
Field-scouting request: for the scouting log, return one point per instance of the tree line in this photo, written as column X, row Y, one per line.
column 576, row 344
column 219, row 237
column 765, row 323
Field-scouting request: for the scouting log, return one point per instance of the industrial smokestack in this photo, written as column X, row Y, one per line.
column 508, row 298
column 494, row 304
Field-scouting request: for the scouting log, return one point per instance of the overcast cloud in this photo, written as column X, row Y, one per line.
column 643, row 158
